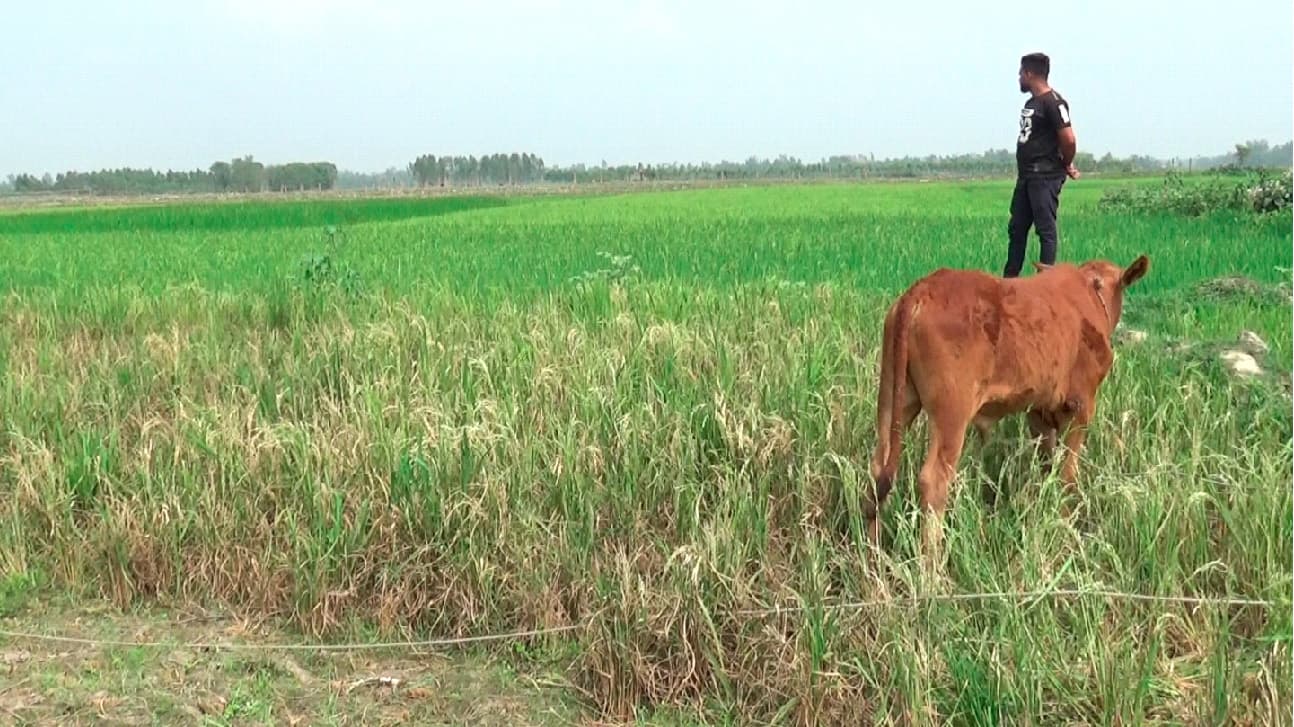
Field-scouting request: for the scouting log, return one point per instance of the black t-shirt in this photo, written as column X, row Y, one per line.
column 1037, row 150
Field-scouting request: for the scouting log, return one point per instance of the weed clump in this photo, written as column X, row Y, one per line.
column 1239, row 287
column 327, row 271
column 618, row 268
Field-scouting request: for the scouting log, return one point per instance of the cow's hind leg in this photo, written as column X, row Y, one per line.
column 984, row 429
column 947, row 437
column 1042, row 425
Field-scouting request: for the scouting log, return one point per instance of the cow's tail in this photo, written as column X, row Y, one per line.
column 889, row 401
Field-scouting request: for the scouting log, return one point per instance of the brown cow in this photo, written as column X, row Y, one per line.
column 970, row 348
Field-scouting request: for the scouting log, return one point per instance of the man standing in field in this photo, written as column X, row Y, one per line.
column 1044, row 156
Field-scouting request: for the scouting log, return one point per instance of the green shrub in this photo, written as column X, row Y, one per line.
column 1259, row 193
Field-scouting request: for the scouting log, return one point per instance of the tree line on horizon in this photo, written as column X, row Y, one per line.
column 245, row 174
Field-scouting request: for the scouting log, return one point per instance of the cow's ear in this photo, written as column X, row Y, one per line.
column 1134, row 272
column 1041, row 267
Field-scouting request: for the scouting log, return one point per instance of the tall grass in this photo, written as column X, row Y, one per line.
column 483, row 440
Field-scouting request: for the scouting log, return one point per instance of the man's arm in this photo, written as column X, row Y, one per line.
column 1065, row 135
column 1068, row 145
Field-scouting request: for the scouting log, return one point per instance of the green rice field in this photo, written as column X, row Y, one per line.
column 647, row 416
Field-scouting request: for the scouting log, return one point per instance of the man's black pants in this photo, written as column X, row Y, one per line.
column 1034, row 202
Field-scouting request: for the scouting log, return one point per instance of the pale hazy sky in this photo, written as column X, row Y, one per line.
column 181, row 83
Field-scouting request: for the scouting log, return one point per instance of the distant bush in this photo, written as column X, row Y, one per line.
column 1259, row 192
column 1272, row 194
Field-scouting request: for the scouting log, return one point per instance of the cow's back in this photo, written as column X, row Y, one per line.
column 1011, row 342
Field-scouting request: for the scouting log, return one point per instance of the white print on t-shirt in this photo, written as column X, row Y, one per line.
column 1026, row 125
column 1064, row 112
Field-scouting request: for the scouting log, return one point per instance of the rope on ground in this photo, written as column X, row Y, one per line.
column 517, row 635
column 200, row 645
column 1015, row 596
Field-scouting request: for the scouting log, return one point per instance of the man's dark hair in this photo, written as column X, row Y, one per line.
column 1036, row 63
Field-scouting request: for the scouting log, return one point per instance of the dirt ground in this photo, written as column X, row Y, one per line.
column 44, row 682
column 18, row 202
